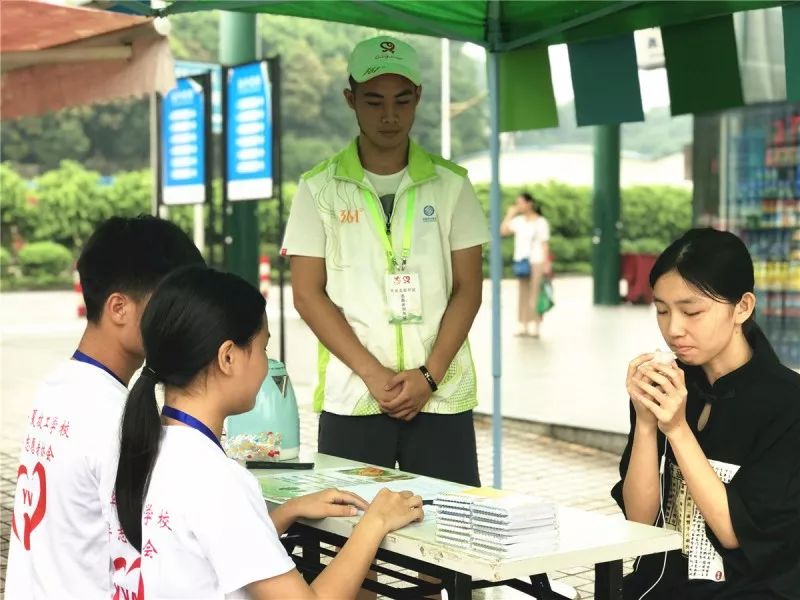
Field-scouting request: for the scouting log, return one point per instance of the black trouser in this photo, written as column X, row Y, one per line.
column 439, row 446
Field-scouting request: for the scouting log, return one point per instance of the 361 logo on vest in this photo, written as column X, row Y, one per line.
column 349, row 216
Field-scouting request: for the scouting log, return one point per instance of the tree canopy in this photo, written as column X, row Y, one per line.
column 316, row 121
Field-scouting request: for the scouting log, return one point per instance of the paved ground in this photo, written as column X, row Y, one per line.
column 575, row 371
column 573, row 375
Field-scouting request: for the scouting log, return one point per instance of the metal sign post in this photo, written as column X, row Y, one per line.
column 251, row 160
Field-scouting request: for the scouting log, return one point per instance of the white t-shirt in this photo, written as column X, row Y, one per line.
column 205, row 529
column 60, row 545
column 529, row 238
column 386, row 187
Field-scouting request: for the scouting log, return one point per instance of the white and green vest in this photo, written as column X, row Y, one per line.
column 356, row 266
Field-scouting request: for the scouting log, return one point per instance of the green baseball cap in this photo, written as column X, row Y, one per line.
column 381, row 55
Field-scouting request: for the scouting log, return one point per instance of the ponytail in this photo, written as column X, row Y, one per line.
column 757, row 339
column 191, row 314
column 140, row 436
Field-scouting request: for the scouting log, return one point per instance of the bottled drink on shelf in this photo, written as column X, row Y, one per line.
column 763, row 204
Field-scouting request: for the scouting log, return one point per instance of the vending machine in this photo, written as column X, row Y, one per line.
column 759, row 200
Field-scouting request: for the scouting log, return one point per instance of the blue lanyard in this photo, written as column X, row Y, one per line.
column 186, row 419
column 81, row 357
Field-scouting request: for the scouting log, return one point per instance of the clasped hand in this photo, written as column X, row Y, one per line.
column 658, row 393
column 400, row 395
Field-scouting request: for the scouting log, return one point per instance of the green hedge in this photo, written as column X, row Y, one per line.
column 266, row 214
column 44, row 258
column 18, row 208
column 40, row 282
column 5, row 262
column 652, row 216
column 66, row 204
column 38, row 266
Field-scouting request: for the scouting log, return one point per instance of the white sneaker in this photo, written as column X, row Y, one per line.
column 520, row 330
column 533, row 329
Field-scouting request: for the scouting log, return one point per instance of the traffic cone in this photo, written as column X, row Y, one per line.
column 264, row 270
column 76, row 285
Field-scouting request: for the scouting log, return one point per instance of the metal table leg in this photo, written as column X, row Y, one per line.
column 458, row 586
column 608, row 580
column 540, row 585
column 311, row 557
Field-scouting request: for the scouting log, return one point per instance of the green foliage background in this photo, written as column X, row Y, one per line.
column 114, row 137
column 47, row 198
column 65, row 205
column 316, row 122
column 652, row 217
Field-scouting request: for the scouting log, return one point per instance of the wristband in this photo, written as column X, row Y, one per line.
column 429, row 378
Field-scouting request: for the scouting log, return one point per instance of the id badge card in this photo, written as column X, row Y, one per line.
column 404, row 297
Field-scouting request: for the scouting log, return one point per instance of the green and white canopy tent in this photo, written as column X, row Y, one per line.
column 699, row 50
column 498, row 25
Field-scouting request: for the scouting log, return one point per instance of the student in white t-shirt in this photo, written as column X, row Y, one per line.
column 198, row 517
column 531, row 264
column 64, row 542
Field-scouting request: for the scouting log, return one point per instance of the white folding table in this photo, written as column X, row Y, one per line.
column 584, row 538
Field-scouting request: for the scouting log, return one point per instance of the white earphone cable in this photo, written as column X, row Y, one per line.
column 661, row 514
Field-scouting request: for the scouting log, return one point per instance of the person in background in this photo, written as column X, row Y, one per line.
column 715, row 436
column 197, row 517
column 531, row 231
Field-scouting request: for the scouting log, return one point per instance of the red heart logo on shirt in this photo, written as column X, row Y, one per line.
column 120, row 593
column 32, row 519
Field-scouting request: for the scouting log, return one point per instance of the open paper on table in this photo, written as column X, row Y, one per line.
column 364, row 481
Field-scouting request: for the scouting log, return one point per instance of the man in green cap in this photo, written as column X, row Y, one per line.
column 385, row 245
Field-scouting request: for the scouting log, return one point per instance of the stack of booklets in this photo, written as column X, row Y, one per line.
column 496, row 523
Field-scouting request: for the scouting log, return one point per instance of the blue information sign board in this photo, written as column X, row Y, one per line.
column 183, row 144
column 186, row 68
column 248, row 132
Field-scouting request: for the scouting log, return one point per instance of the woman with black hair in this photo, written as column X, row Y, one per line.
column 714, row 446
column 531, row 259
column 197, row 517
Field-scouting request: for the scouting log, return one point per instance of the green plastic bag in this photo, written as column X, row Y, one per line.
column 545, row 302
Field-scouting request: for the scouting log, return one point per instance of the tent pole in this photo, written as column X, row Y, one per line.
column 155, row 163
column 445, row 99
column 496, row 265
column 606, row 215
